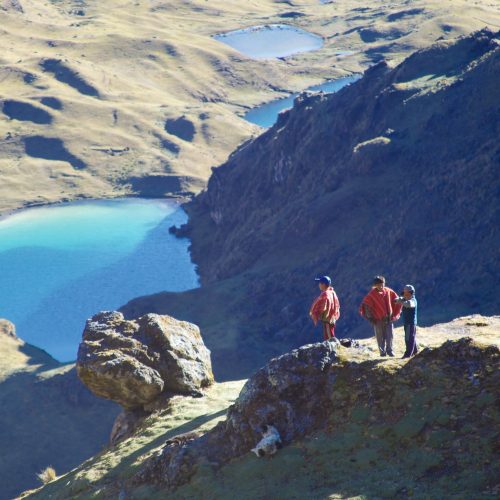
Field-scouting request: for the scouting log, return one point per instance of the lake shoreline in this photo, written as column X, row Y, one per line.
column 255, row 114
column 5, row 213
column 287, row 92
column 183, row 198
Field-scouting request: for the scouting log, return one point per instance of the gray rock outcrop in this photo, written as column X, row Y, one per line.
column 133, row 362
column 292, row 393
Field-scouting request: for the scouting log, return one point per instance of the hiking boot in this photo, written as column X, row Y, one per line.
column 391, row 354
column 383, row 354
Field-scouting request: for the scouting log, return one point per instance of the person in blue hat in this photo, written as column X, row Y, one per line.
column 326, row 308
column 409, row 313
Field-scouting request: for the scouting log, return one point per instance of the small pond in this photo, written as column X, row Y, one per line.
column 271, row 41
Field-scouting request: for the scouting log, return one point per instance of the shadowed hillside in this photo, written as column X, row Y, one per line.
column 396, row 174
column 47, row 416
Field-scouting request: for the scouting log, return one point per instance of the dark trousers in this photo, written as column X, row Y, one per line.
column 410, row 340
column 384, row 333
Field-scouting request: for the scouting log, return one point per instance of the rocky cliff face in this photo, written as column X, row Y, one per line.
column 400, row 158
column 396, row 174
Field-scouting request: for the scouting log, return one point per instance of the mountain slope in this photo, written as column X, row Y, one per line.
column 91, row 92
column 353, row 427
column 47, row 416
column 396, row 174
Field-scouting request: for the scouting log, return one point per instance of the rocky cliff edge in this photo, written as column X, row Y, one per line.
column 351, row 424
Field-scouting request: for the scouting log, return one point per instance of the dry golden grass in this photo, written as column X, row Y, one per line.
column 47, row 475
column 153, row 61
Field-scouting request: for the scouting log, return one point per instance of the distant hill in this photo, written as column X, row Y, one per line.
column 121, row 97
column 352, row 427
column 47, row 416
column 396, row 174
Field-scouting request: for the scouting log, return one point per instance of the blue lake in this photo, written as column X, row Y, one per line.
column 60, row 265
column 271, row 41
column 267, row 114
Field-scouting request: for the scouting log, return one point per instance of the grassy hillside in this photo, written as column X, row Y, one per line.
column 47, row 417
column 422, row 428
column 115, row 465
column 89, row 88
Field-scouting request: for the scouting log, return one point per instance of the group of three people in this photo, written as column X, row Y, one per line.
column 381, row 307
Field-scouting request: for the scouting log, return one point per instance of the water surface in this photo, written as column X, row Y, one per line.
column 60, row 265
column 266, row 114
column 271, row 41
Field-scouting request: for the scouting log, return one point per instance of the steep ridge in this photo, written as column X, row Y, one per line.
column 351, row 425
column 396, row 174
column 47, row 416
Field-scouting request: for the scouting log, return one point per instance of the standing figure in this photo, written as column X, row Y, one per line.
column 326, row 308
column 409, row 303
column 380, row 308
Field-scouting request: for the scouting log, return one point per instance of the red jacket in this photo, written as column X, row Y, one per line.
column 326, row 307
column 380, row 305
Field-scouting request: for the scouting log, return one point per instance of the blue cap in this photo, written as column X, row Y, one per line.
column 324, row 279
column 409, row 288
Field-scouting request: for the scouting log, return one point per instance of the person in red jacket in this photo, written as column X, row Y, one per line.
column 381, row 309
column 326, row 308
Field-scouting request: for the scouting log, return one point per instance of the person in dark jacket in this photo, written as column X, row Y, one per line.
column 409, row 313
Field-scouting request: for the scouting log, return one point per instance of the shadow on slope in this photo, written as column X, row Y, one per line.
column 181, row 128
column 117, row 464
column 68, row 76
column 51, row 148
column 17, row 110
column 52, row 102
column 48, row 417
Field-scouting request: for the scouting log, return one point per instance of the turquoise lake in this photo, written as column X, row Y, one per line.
column 267, row 114
column 59, row 265
column 271, row 41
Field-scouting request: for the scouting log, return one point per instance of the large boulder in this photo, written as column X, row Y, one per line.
column 133, row 362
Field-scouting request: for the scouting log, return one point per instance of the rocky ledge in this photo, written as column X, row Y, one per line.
column 291, row 393
column 297, row 392
column 424, row 427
